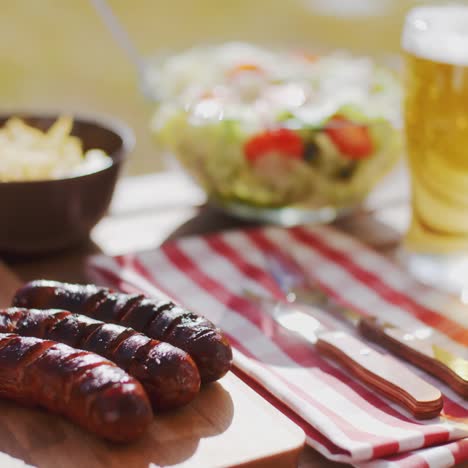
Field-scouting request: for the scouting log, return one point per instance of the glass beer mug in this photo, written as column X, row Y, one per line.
column 435, row 47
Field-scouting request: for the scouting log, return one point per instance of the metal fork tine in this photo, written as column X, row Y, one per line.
column 294, row 281
column 305, row 290
column 285, row 270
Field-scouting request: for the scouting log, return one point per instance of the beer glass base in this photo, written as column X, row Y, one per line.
column 446, row 272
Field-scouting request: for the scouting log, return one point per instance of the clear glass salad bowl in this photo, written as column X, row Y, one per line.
column 278, row 136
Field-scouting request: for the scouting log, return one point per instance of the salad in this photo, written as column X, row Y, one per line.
column 278, row 128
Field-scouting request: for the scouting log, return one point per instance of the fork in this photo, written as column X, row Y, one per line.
column 416, row 347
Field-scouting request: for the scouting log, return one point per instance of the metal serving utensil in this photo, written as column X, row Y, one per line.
column 122, row 38
column 418, row 347
column 380, row 371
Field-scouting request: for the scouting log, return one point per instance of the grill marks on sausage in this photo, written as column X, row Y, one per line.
column 15, row 356
column 73, row 383
column 159, row 319
column 168, row 373
column 126, row 351
column 105, row 338
column 125, row 306
column 73, row 329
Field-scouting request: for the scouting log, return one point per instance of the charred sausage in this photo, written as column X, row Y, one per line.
column 84, row 387
column 159, row 319
column 168, row 374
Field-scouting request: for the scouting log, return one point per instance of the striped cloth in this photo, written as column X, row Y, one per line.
column 342, row 418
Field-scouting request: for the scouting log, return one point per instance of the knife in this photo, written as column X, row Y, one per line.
column 380, row 371
column 417, row 346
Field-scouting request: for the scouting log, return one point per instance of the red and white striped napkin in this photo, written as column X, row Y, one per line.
column 342, row 418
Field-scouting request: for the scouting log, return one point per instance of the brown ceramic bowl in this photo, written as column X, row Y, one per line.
column 47, row 215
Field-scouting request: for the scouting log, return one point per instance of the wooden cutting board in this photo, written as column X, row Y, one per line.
column 228, row 424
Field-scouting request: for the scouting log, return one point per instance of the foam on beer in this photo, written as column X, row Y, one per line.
column 438, row 33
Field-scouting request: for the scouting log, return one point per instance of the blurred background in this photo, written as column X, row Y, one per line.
column 58, row 55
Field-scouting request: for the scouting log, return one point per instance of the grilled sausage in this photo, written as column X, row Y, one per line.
column 84, row 387
column 168, row 374
column 159, row 319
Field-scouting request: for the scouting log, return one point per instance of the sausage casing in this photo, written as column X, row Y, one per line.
column 168, row 374
column 159, row 319
column 82, row 386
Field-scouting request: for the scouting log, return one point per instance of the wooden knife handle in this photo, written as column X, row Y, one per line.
column 384, row 373
column 418, row 348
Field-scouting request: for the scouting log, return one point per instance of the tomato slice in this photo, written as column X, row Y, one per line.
column 282, row 141
column 350, row 138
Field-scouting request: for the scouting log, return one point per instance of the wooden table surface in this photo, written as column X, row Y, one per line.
column 148, row 210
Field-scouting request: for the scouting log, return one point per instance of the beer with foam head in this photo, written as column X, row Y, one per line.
column 435, row 46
